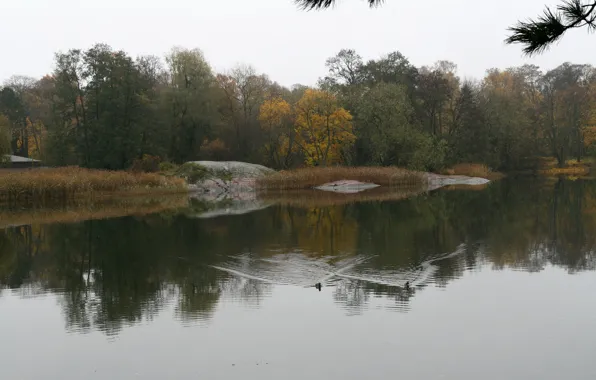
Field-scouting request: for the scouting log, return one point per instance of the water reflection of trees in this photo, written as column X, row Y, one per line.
column 114, row 273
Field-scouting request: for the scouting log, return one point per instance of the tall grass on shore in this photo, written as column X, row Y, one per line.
column 306, row 178
column 59, row 184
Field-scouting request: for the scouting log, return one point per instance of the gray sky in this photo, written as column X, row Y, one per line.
column 288, row 44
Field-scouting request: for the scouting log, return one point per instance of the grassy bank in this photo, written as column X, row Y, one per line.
column 306, row 178
column 42, row 186
column 473, row 170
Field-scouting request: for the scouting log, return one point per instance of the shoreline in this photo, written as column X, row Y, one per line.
column 222, row 182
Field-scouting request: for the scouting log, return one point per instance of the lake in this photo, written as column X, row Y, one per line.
column 501, row 278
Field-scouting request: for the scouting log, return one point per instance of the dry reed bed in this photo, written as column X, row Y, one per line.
column 58, row 184
column 80, row 211
column 307, row 178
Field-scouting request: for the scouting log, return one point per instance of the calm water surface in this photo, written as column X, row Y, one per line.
column 502, row 278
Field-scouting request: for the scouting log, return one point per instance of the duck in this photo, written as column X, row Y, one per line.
column 318, row 286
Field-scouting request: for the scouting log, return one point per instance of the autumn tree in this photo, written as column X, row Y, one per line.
column 324, row 129
column 276, row 120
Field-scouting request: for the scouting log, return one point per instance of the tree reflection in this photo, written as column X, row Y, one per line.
column 114, row 273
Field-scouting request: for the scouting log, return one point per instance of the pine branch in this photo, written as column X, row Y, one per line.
column 539, row 34
column 321, row 4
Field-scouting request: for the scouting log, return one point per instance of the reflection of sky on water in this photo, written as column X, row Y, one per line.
column 488, row 324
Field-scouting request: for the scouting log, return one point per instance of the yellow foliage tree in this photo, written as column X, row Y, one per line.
column 275, row 117
column 324, row 130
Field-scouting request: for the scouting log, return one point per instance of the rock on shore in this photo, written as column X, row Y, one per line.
column 232, row 177
column 236, row 169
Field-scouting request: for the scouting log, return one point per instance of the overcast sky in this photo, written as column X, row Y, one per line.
column 276, row 37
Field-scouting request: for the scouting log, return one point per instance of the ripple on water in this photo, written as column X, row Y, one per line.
column 354, row 278
column 299, row 270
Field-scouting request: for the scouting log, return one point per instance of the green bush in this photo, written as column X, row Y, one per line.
column 167, row 167
column 429, row 153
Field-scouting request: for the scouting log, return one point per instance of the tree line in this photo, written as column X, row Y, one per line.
column 102, row 108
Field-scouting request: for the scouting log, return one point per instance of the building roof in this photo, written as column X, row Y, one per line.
column 13, row 158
